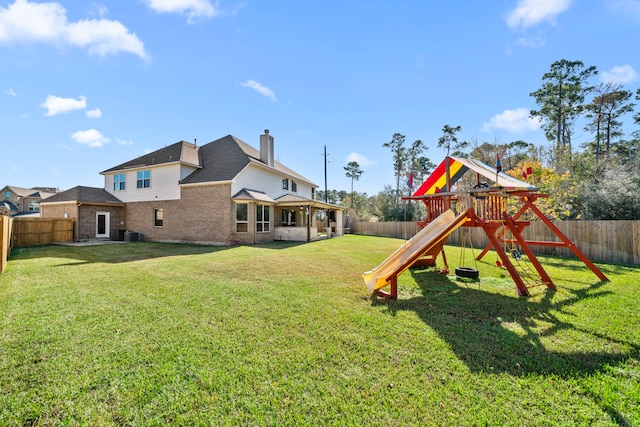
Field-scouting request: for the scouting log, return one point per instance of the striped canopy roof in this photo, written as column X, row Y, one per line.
column 437, row 181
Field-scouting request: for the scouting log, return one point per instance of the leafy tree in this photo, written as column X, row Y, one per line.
column 386, row 204
column 399, row 160
column 616, row 197
column 407, row 160
column 353, row 172
column 636, row 117
column 561, row 102
column 561, row 188
column 449, row 140
column 608, row 105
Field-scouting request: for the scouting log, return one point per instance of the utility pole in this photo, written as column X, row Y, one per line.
column 326, row 199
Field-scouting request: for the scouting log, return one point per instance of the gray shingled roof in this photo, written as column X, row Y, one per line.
column 82, row 194
column 181, row 151
column 224, row 158
column 246, row 194
column 219, row 160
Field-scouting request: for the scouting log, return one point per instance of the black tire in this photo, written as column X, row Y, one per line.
column 467, row 272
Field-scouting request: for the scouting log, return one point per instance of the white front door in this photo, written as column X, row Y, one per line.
column 102, row 224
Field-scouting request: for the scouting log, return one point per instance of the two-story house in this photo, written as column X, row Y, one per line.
column 16, row 201
column 221, row 192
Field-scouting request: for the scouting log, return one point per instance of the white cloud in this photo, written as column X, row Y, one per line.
column 120, row 141
column 531, row 42
column 91, row 137
column 531, row 12
column 263, row 90
column 517, row 120
column 56, row 105
column 194, row 9
column 47, row 23
column 355, row 157
column 94, row 114
column 620, row 74
column 10, row 92
column 97, row 9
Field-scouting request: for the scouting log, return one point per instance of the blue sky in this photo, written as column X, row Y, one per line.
column 85, row 86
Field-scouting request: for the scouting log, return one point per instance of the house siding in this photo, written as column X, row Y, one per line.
column 269, row 182
column 203, row 215
column 164, row 183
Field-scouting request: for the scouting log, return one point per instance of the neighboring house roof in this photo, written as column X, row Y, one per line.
column 82, row 194
column 8, row 205
column 42, row 192
column 224, row 158
column 182, row 151
column 19, row 191
column 50, row 190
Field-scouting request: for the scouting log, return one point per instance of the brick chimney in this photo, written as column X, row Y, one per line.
column 266, row 148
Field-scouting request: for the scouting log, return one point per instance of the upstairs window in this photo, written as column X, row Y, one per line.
column 144, row 179
column 34, row 206
column 7, row 194
column 294, row 186
column 285, row 184
column 313, row 193
column 119, row 182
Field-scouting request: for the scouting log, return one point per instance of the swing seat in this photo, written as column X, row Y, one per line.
column 467, row 272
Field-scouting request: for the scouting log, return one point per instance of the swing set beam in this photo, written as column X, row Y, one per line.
column 528, row 199
column 498, row 224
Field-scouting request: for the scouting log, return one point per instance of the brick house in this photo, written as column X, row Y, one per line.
column 97, row 213
column 16, row 201
column 224, row 191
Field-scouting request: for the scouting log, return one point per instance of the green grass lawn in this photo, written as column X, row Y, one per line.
column 287, row 334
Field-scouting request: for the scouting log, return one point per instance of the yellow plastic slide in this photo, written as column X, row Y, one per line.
column 407, row 254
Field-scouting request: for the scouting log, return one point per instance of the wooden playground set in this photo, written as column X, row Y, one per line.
column 483, row 206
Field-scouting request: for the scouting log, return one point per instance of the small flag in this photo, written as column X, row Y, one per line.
column 410, row 181
column 529, row 170
column 524, row 173
column 498, row 165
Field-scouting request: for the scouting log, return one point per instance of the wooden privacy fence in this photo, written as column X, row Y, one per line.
column 41, row 231
column 6, row 224
column 607, row 241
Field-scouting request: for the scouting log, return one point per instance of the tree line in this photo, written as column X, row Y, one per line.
column 597, row 179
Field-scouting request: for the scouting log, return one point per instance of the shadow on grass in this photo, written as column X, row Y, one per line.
column 495, row 333
column 128, row 252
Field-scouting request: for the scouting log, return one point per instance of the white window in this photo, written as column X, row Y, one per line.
column 119, row 182
column 294, row 186
column 242, row 217
column 158, row 217
column 143, row 179
column 285, row 184
column 262, row 219
column 34, row 206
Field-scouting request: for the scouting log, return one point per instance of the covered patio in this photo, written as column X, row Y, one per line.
column 300, row 219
